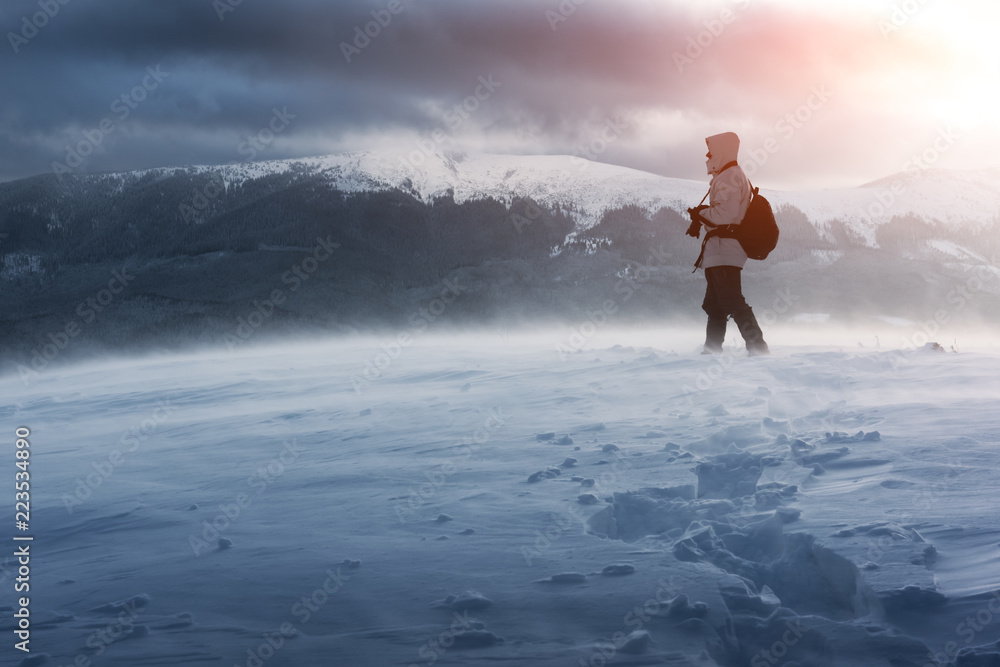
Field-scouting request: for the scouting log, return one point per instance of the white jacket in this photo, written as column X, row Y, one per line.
column 729, row 198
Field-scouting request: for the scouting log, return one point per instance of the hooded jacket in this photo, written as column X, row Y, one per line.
column 729, row 198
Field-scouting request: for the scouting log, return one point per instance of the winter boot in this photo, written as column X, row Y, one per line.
column 715, row 334
column 751, row 332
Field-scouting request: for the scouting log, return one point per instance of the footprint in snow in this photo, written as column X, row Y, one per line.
column 775, row 426
column 184, row 619
column 681, row 607
column 636, row 642
column 137, row 632
column 896, row 484
column 548, row 473
column 860, row 436
column 477, row 637
column 467, row 601
column 564, row 578
column 140, row 601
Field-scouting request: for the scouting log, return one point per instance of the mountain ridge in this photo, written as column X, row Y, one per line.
column 527, row 237
column 589, row 189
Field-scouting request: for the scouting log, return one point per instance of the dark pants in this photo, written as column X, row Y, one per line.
column 724, row 299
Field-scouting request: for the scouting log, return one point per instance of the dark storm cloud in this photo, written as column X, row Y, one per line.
column 564, row 66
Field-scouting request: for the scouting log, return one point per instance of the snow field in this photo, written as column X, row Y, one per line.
column 486, row 500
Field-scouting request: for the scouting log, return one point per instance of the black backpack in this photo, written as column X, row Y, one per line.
column 757, row 233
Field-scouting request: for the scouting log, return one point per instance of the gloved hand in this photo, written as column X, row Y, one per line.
column 695, row 229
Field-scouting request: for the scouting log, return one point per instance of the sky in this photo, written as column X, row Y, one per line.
column 823, row 93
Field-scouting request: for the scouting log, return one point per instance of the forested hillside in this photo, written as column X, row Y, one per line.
column 199, row 254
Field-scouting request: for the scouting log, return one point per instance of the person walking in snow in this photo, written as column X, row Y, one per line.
column 723, row 258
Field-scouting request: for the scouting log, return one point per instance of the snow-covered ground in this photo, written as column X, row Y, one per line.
column 484, row 499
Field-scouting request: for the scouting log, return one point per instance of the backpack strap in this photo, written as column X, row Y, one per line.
column 728, row 165
column 721, row 231
column 701, row 255
column 734, row 163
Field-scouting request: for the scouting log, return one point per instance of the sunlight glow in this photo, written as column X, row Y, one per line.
column 972, row 95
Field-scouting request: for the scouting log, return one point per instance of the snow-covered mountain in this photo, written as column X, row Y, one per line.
column 203, row 253
column 949, row 197
column 590, row 187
